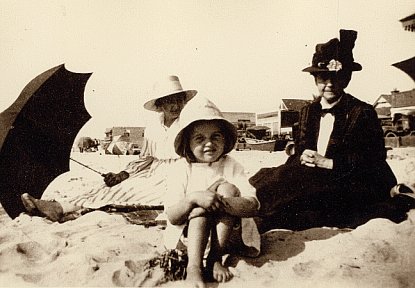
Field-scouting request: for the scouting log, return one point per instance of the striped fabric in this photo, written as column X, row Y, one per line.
column 147, row 186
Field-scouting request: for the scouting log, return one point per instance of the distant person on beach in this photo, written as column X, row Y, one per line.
column 146, row 176
column 337, row 174
column 208, row 194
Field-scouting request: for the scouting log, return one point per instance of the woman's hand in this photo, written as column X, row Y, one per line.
column 311, row 158
column 112, row 179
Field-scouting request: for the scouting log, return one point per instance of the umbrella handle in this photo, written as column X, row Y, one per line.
column 102, row 174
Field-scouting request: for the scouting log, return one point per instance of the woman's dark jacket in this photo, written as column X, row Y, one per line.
column 360, row 174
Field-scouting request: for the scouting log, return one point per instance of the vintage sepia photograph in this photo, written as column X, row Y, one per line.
column 207, row 143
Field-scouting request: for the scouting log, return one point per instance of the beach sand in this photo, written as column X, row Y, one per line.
column 101, row 249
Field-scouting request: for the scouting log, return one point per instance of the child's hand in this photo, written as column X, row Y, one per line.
column 216, row 184
column 208, row 200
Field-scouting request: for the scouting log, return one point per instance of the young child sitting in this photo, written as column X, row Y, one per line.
column 208, row 194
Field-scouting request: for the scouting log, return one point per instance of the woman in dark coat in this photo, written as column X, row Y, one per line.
column 338, row 172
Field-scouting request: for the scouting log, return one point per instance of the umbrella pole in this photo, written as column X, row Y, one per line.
column 102, row 174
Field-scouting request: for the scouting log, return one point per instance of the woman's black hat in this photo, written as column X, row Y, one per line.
column 335, row 55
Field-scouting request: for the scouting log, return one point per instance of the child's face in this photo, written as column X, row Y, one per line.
column 207, row 142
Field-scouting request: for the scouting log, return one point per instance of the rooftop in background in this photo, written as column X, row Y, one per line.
column 396, row 99
column 293, row 104
column 236, row 117
column 408, row 23
column 286, row 105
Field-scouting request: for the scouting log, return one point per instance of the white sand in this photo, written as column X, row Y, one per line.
column 99, row 249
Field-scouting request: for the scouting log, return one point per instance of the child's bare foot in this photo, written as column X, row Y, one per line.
column 194, row 277
column 36, row 207
column 221, row 273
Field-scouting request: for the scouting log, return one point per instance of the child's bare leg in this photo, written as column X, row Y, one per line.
column 220, row 237
column 219, row 241
column 197, row 235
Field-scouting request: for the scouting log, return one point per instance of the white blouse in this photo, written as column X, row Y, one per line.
column 159, row 139
column 326, row 127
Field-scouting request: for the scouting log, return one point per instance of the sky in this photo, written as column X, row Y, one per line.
column 243, row 55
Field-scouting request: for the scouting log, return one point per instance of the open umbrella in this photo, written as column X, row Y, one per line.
column 37, row 132
column 407, row 66
column 118, row 146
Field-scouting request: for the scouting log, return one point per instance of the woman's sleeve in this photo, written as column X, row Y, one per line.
column 138, row 165
column 366, row 147
column 145, row 149
column 151, row 135
column 143, row 161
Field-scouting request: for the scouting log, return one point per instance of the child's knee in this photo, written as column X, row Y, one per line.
column 228, row 190
column 197, row 212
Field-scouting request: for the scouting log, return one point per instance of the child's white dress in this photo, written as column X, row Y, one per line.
column 189, row 177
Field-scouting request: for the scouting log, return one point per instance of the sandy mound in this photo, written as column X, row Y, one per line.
column 100, row 249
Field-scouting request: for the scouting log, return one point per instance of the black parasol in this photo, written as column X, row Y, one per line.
column 37, row 133
column 407, row 66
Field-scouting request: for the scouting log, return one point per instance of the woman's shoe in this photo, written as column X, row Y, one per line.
column 51, row 210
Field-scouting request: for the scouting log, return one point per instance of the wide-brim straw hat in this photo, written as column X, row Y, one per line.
column 335, row 55
column 167, row 87
column 203, row 109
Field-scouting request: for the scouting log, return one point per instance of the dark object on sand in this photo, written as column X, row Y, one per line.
column 173, row 262
column 37, row 132
column 135, row 214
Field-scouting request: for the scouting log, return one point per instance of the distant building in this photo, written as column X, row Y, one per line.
column 270, row 120
column 388, row 104
column 130, row 134
column 397, row 113
column 241, row 120
column 408, row 65
column 408, row 23
column 397, row 110
column 281, row 121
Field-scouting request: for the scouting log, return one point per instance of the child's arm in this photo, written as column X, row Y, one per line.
column 241, row 200
column 243, row 207
column 179, row 212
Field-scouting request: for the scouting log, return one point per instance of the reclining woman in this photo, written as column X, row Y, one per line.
column 146, row 176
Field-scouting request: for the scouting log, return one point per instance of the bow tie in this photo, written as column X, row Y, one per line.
column 328, row 110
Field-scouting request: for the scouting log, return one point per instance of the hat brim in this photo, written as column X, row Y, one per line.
column 150, row 104
column 231, row 132
column 312, row 69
